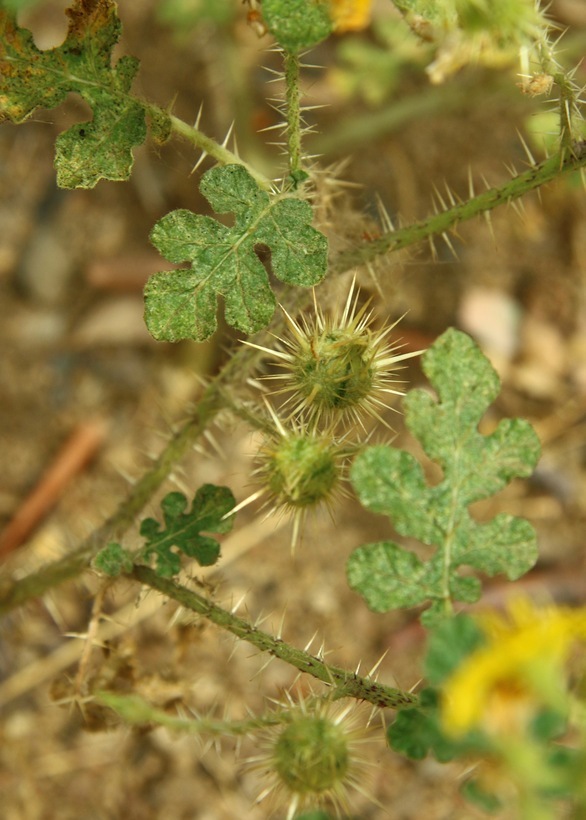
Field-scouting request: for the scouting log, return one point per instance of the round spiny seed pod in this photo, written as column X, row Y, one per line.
column 338, row 368
column 314, row 756
column 311, row 755
column 301, row 469
column 334, row 371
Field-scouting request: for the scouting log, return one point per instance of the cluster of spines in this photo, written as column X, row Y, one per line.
column 291, row 129
column 312, row 756
column 338, row 370
column 298, row 470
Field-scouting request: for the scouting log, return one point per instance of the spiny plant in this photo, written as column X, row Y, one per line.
column 392, row 482
column 182, row 304
column 339, row 369
column 300, row 470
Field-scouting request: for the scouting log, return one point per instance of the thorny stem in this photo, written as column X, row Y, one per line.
column 346, row 684
column 213, row 148
column 134, row 710
column 292, row 96
column 567, row 102
column 439, row 224
column 14, row 592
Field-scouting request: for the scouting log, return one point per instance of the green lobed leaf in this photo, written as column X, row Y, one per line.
column 467, row 384
column 182, row 530
column 182, row 304
column 31, row 79
column 113, row 560
column 387, row 576
column 475, row 466
column 297, row 24
column 448, row 644
column 417, row 732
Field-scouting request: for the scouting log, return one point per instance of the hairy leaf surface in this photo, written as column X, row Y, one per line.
column 297, row 24
column 113, row 560
column 475, row 466
column 31, row 79
column 182, row 531
column 182, row 304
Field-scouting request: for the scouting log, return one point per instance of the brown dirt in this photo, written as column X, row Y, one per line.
column 72, row 265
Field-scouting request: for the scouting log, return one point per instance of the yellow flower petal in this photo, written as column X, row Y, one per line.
column 502, row 684
column 350, row 15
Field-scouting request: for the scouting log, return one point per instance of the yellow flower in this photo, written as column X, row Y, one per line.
column 350, row 15
column 500, row 686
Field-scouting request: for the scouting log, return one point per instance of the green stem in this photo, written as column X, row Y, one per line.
column 346, row 684
column 293, row 99
column 13, row 593
column 567, row 102
column 447, row 220
column 210, row 146
column 134, row 710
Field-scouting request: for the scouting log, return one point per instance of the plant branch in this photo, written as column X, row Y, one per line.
column 438, row 224
column 346, row 684
column 136, row 711
column 567, row 106
column 206, row 144
column 292, row 96
column 13, row 593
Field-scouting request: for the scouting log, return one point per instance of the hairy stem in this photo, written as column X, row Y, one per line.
column 134, row 710
column 218, row 395
column 447, row 220
column 567, row 103
column 346, row 684
column 293, row 99
column 211, row 147
column 14, row 593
